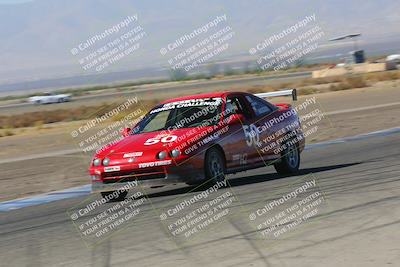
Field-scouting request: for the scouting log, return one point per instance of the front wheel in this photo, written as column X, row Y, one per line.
column 111, row 196
column 214, row 165
column 290, row 161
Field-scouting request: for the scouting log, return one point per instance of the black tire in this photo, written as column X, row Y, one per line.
column 109, row 195
column 290, row 161
column 214, row 165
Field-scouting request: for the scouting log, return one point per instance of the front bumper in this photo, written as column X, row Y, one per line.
column 100, row 186
column 187, row 170
column 146, row 178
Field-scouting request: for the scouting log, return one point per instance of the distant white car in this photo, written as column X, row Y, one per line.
column 49, row 98
column 395, row 58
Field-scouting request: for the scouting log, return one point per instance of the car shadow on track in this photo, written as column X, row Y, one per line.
column 240, row 181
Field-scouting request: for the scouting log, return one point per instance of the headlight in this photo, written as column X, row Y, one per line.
column 95, row 177
column 162, row 155
column 106, row 161
column 96, row 162
column 175, row 153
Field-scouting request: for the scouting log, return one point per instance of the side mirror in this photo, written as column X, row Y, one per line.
column 236, row 119
column 125, row 132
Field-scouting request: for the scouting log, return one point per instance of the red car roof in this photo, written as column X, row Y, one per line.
column 207, row 95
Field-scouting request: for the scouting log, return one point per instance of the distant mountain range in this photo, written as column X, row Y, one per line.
column 37, row 36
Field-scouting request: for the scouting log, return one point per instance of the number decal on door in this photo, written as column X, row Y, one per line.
column 251, row 134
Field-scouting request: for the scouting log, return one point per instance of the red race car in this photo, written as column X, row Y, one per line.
column 194, row 139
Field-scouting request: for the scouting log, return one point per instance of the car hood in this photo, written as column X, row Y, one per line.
column 136, row 143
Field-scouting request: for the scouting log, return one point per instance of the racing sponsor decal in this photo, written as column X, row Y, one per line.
column 155, row 163
column 133, row 154
column 112, row 169
column 242, row 158
column 199, row 102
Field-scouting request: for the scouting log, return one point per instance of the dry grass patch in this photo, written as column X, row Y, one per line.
column 349, row 83
column 308, row 91
column 383, row 76
column 38, row 119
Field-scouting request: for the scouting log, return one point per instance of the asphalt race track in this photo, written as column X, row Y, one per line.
column 357, row 225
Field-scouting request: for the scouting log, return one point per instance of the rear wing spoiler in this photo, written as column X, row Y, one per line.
column 291, row 92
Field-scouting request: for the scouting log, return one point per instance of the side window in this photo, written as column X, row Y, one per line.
column 235, row 105
column 260, row 107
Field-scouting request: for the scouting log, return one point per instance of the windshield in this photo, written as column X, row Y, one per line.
column 181, row 114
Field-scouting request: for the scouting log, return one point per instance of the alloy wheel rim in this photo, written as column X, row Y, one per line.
column 293, row 156
column 216, row 166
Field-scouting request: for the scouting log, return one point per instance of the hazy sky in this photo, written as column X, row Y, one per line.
column 37, row 36
column 14, row 1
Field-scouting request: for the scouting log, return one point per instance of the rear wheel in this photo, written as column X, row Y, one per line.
column 290, row 161
column 114, row 195
column 214, row 165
